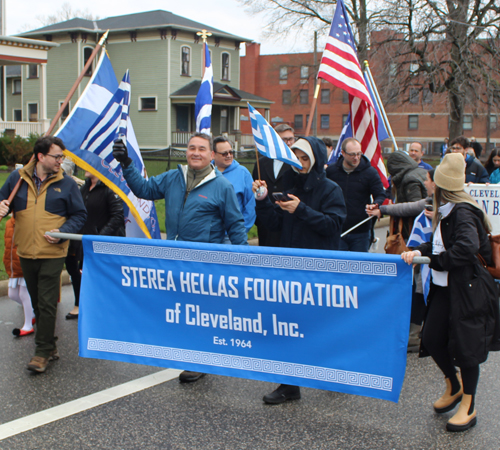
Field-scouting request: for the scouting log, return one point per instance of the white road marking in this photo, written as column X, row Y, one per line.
column 82, row 404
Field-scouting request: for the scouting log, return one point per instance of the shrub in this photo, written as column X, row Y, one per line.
column 15, row 149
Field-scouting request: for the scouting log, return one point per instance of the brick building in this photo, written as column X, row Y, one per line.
column 289, row 81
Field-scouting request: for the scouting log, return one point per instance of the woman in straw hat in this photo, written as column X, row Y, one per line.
column 459, row 326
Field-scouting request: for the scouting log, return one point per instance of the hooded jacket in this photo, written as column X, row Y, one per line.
column 317, row 221
column 406, row 177
column 210, row 209
column 474, row 171
column 357, row 187
column 240, row 178
column 58, row 205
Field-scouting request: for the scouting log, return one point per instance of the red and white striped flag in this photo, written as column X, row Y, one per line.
column 340, row 66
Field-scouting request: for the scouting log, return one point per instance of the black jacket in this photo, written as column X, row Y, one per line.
column 471, row 330
column 317, row 221
column 475, row 172
column 104, row 211
column 268, row 238
column 357, row 187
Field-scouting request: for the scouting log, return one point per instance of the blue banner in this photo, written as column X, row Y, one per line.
column 328, row 320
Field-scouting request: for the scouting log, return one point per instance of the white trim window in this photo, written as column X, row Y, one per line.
column 17, row 115
column 32, row 112
column 186, row 61
column 225, row 66
column 32, row 71
column 16, row 86
column 87, row 53
column 65, row 113
column 148, row 103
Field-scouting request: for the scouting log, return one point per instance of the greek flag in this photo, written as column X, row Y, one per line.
column 268, row 141
column 98, row 118
column 422, row 232
column 203, row 102
column 346, row 133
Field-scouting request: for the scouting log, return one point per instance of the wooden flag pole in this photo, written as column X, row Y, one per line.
column 63, row 106
column 313, row 107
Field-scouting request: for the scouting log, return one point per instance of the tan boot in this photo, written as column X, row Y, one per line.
column 447, row 401
column 462, row 420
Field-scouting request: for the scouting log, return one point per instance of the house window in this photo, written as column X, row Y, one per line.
column 33, row 71
column 185, row 61
column 426, row 95
column 223, row 120
column 65, row 113
column 298, row 121
column 393, row 69
column 467, row 121
column 414, row 68
column 493, row 121
column 325, row 96
column 225, row 66
column 414, row 95
column 287, row 97
column 33, row 112
column 87, row 53
column 344, row 119
column 304, row 72
column 325, row 121
column 304, row 96
column 16, row 86
column 18, row 115
column 283, row 73
column 413, row 122
column 345, row 97
column 147, row 104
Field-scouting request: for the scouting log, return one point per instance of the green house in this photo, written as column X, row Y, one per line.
column 164, row 55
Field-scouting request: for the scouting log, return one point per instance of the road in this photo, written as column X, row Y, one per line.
column 83, row 403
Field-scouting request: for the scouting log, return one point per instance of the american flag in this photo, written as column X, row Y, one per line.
column 340, row 66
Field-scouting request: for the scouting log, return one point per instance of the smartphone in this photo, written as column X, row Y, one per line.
column 280, row 197
column 429, row 207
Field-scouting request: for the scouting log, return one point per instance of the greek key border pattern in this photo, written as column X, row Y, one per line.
column 376, row 268
column 326, row 374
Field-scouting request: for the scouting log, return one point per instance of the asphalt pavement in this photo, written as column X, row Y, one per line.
column 84, row 403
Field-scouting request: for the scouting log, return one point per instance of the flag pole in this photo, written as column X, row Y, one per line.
column 380, row 104
column 204, row 35
column 313, row 107
column 63, row 106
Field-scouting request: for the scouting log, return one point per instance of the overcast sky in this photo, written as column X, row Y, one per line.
column 227, row 15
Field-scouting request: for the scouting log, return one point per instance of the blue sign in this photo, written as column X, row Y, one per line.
column 328, row 320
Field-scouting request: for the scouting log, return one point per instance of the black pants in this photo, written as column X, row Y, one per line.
column 43, row 279
column 435, row 339
column 73, row 267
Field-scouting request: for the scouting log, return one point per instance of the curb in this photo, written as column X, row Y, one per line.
column 4, row 284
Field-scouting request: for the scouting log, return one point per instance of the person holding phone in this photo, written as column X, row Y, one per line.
column 309, row 213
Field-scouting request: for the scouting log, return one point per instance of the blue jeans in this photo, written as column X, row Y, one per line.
column 355, row 242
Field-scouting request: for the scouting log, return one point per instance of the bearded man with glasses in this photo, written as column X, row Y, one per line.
column 48, row 200
column 361, row 185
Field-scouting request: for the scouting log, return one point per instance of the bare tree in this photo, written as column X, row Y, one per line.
column 448, row 47
column 66, row 13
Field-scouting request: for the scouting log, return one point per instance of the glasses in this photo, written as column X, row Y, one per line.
column 290, row 140
column 456, row 148
column 56, row 157
column 354, row 155
column 224, row 154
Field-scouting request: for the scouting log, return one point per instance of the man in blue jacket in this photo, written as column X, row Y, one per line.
column 360, row 183
column 200, row 203
column 238, row 176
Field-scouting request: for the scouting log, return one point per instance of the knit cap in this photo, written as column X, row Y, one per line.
column 450, row 174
